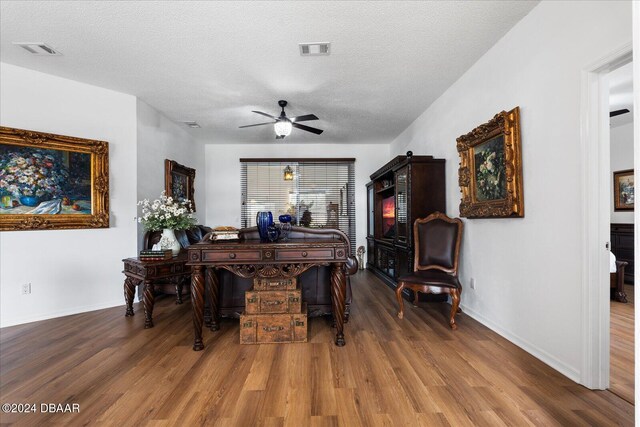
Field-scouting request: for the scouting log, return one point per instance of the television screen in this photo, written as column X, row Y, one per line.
column 389, row 217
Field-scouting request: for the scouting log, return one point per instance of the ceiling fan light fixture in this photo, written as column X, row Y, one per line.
column 282, row 128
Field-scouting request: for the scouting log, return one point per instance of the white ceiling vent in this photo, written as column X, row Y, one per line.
column 192, row 125
column 315, row 49
column 36, row 48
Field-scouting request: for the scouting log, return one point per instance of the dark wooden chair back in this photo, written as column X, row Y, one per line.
column 437, row 241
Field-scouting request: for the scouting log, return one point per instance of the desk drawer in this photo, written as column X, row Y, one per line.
column 234, row 256
column 301, row 254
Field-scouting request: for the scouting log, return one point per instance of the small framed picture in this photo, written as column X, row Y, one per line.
column 623, row 190
column 178, row 182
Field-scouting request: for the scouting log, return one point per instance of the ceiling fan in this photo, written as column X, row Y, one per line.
column 283, row 124
column 618, row 112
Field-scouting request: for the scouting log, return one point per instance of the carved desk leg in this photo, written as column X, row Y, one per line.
column 212, row 297
column 338, row 295
column 179, row 284
column 148, row 303
column 129, row 291
column 197, row 302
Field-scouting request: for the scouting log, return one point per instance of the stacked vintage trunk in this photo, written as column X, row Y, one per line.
column 274, row 313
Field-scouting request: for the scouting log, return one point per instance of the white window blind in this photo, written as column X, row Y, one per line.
column 321, row 194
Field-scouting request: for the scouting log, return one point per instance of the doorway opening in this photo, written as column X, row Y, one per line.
column 621, row 373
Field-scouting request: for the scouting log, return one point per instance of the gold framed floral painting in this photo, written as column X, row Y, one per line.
column 623, row 190
column 490, row 173
column 52, row 181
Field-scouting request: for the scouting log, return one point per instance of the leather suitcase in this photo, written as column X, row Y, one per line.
column 273, row 328
column 261, row 302
column 275, row 284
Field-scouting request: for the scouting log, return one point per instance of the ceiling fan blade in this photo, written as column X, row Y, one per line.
column 257, row 124
column 618, row 112
column 307, row 128
column 304, row 118
column 264, row 114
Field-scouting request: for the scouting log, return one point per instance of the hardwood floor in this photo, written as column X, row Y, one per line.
column 410, row 372
column 622, row 347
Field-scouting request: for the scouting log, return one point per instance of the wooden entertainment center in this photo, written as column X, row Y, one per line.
column 406, row 188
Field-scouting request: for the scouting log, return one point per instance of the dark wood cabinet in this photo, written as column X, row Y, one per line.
column 406, row 188
column 622, row 247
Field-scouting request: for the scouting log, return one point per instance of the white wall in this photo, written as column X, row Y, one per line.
column 159, row 138
column 528, row 271
column 621, row 159
column 71, row 271
column 223, row 177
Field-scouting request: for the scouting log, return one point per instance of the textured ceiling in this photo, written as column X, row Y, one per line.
column 214, row 62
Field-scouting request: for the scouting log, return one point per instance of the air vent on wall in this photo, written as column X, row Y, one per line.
column 192, row 125
column 36, row 48
column 315, row 49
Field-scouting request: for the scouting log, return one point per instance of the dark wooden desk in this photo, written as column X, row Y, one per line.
column 173, row 270
column 253, row 259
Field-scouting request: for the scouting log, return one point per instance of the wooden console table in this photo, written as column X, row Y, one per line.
column 172, row 270
column 254, row 259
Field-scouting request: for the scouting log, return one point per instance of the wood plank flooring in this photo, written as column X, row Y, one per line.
column 409, row 372
column 622, row 347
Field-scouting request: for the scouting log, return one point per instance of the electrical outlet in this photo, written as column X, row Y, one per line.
column 25, row 289
column 472, row 283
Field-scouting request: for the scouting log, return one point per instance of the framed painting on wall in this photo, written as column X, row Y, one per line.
column 490, row 173
column 178, row 182
column 623, row 190
column 52, row 181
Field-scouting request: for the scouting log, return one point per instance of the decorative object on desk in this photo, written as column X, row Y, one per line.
column 155, row 255
column 263, row 220
column 288, row 173
column 169, row 241
column 273, row 232
column 360, row 254
column 490, row 173
column 225, row 233
column 38, row 168
column 166, row 214
column 178, row 182
column 409, row 153
column 623, row 190
column 285, row 225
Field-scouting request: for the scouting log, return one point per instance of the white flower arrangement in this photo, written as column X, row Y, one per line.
column 166, row 212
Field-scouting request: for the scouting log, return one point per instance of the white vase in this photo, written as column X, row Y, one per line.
column 169, row 241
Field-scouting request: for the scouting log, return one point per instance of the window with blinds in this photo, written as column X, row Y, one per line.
column 320, row 195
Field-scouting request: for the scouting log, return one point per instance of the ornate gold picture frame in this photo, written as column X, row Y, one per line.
column 178, row 182
column 52, row 181
column 623, row 190
column 490, row 173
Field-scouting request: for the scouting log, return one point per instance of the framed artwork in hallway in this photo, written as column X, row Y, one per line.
column 623, row 190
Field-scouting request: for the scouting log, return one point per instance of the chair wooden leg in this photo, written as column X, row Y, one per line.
column 399, row 297
column 415, row 298
column 455, row 302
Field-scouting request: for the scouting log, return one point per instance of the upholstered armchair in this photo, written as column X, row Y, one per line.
column 437, row 241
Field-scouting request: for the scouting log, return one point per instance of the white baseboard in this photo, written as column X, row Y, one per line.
column 67, row 312
column 563, row 368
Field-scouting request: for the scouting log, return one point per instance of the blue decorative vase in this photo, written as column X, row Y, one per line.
column 30, row 200
column 263, row 220
column 273, row 232
column 284, row 218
